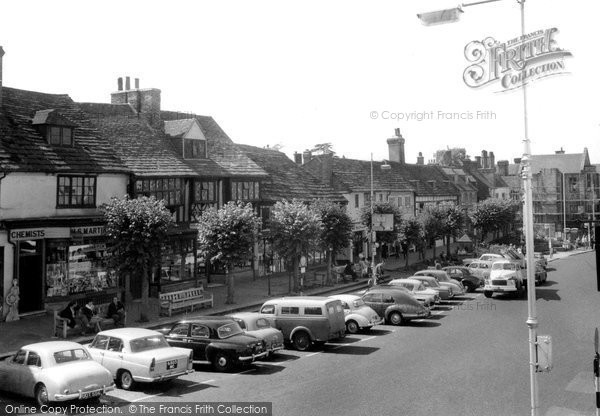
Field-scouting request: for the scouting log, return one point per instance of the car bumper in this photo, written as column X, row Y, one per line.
column 162, row 377
column 494, row 288
column 253, row 357
column 274, row 348
column 82, row 395
column 418, row 315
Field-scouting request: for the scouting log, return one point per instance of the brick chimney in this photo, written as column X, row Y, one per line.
column 517, row 160
column 1, row 55
column 420, row 159
column 558, row 152
column 492, row 161
column 306, row 156
column 297, row 158
column 146, row 102
column 478, row 161
column 503, row 167
column 327, row 168
column 484, row 159
column 396, row 148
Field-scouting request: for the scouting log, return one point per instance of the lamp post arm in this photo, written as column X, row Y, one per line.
column 478, row 2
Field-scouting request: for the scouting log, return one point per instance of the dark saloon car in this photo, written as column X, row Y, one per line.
column 395, row 305
column 219, row 340
column 464, row 275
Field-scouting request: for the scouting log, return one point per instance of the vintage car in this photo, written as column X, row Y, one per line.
column 139, row 355
column 441, row 276
column 256, row 325
column 427, row 296
column 394, row 305
column 464, row 275
column 358, row 315
column 216, row 339
column 541, row 260
column 430, row 282
column 541, row 275
column 306, row 320
column 480, row 269
column 54, row 371
column 487, row 257
column 506, row 276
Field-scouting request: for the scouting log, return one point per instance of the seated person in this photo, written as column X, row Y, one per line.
column 70, row 312
column 85, row 317
column 349, row 270
column 116, row 311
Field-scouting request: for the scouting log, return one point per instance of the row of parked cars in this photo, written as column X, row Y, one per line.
column 62, row 370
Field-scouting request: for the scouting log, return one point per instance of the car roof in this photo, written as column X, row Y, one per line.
column 300, row 300
column 52, row 345
column 345, row 297
column 245, row 315
column 421, row 277
column 408, row 280
column 433, row 271
column 212, row 321
column 129, row 333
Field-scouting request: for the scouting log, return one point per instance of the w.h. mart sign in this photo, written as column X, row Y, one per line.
column 516, row 62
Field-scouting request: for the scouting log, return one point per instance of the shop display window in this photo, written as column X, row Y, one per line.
column 177, row 261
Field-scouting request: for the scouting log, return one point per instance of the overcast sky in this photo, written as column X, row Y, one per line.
column 307, row 72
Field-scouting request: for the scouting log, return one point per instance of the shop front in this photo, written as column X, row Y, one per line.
column 55, row 264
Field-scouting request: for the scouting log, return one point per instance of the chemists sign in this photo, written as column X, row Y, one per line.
column 516, row 62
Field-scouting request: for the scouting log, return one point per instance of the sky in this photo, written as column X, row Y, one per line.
column 300, row 73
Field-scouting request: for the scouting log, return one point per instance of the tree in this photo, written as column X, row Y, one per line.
column 493, row 215
column 294, row 230
column 227, row 235
column 453, row 224
column 336, row 232
column 382, row 208
column 136, row 229
column 411, row 232
column 432, row 219
column 323, row 148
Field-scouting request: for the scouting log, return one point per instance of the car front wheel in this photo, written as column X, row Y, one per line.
column 41, row 395
column 125, row 380
column 301, row 341
column 395, row 318
column 222, row 362
column 488, row 294
column 352, row 327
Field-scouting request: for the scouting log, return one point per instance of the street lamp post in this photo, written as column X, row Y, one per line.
column 371, row 232
column 451, row 15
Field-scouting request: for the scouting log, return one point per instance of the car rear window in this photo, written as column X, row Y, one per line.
column 229, row 330
column 148, row 343
column 68, row 356
column 313, row 310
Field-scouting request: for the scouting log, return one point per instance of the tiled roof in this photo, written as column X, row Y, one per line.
column 24, row 148
column 178, row 128
column 221, row 148
column 355, row 175
column 565, row 162
column 286, row 179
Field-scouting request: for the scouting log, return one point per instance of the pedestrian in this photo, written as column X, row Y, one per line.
column 85, row 317
column 404, row 246
column 69, row 313
column 364, row 267
column 438, row 266
column 116, row 312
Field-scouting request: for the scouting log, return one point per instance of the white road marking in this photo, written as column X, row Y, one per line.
column 146, row 397
column 366, row 339
column 314, row 353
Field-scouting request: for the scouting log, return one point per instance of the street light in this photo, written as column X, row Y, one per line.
column 452, row 15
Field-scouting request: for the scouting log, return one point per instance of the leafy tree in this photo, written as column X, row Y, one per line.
column 294, row 229
column 382, row 208
column 136, row 228
column 322, row 148
column 411, row 232
column 228, row 235
column 336, row 232
column 453, row 224
column 433, row 222
column 493, row 215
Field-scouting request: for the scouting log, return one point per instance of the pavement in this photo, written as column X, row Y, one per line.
column 249, row 294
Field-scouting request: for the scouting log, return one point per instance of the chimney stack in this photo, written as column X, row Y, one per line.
column 484, row 159
column 297, row 158
column 503, row 167
column 560, row 152
column 420, row 159
column 137, row 83
column 517, row 160
column 306, row 156
column 145, row 102
column 396, row 148
column 327, row 168
column 120, row 83
column 478, row 161
column 1, row 55
column 492, row 161
column 127, row 84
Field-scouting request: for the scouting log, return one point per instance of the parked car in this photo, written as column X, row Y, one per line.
column 487, row 257
column 506, row 276
column 306, row 320
column 480, row 269
column 54, row 371
column 395, row 305
column 427, row 296
column 139, row 355
column 541, row 274
column 258, row 326
column 216, row 339
column 430, row 282
column 541, row 260
column 464, row 275
column 358, row 315
column 441, row 276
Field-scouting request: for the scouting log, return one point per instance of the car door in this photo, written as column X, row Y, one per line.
column 30, row 375
column 374, row 300
column 199, row 340
column 179, row 336
column 113, row 355
column 16, row 369
column 98, row 349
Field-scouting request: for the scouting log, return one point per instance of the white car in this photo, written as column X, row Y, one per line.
column 506, row 276
column 441, row 276
column 428, row 296
column 139, row 355
column 358, row 315
column 54, row 371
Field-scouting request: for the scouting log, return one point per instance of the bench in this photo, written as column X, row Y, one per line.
column 183, row 299
column 99, row 320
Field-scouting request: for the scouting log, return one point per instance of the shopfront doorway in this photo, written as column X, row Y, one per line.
column 30, row 275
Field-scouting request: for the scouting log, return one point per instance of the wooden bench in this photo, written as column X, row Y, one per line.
column 183, row 299
column 61, row 325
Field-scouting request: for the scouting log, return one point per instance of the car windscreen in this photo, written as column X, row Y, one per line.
column 148, row 343
column 67, row 356
column 262, row 323
column 229, row 330
column 503, row 266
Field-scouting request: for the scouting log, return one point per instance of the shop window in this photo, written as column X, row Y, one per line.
column 177, row 261
column 76, row 192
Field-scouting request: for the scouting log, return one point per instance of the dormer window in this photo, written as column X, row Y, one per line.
column 187, row 137
column 56, row 128
column 194, row 149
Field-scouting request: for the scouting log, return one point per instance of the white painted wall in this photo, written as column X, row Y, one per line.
column 33, row 195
